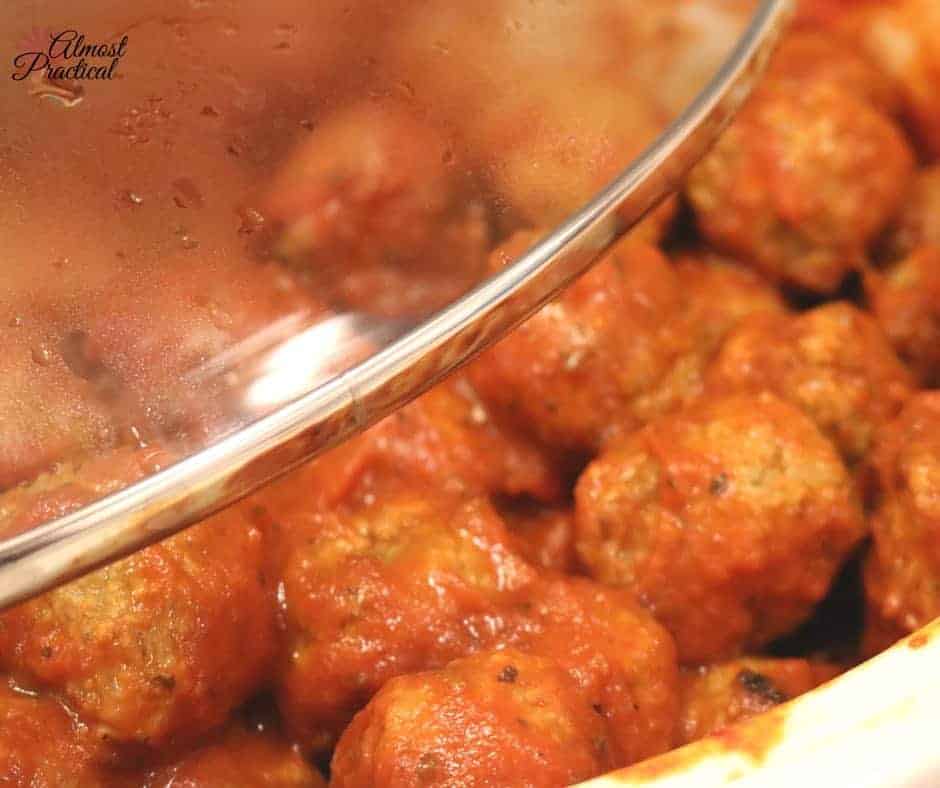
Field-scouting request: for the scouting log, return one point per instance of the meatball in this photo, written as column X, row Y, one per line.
column 561, row 147
column 43, row 745
column 878, row 633
column 804, row 178
column 903, row 38
column 156, row 647
column 235, row 757
column 716, row 696
column 47, row 412
column 902, row 571
column 403, row 581
column 446, row 438
column 372, row 207
column 496, row 718
column 571, row 373
column 809, row 56
column 75, row 483
column 623, row 660
column 918, row 222
column 728, row 520
column 717, row 294
column 833, row 362
column 543, row 536
column 905, row 299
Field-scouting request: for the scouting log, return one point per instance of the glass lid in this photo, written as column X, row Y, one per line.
column 210, row 210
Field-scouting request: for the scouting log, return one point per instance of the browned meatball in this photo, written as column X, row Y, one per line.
column 718, row 695
column 449, row 437
column 717, row 294
column 571, row 373
column 903, row 38
column 497, row 718
column 406, row 580
column 728, row 520
column 623, row 660
column 808, row 56
column 833, row 362
column 902, row 572
column 918, row 222
column 543, row 536
column 878, row 632
column 75, row 483
column 905, row 299
column 236, row 757
column 372, row 206
column 801, row 182
column 158, row 646
column 43, row 745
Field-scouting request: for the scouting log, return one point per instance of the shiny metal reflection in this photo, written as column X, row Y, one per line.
column 344, row 404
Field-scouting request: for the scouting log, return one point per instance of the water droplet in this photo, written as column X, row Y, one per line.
column 16, row 321
column 307, row 124
column 220, row 317
column 188, row 242
column 186, row 194
column 447, row 157
column 252, row 221
column 236, row 146
column 131, row 197
column 41, row 355
column 137, row 437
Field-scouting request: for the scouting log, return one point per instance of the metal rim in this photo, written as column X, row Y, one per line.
column 204, row 482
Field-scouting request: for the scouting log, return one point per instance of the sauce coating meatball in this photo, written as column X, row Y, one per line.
column 75, row 483
column 801, row 182
column 620, row 657
column 234, row 757
column 903, row 38
column 543, row 536
column 721, row 694
column 905, row 300
column 161, row 645
column 903, row 567
column 571, row 372
column 833, row 362
column 727, row 520
column 407, row 580
column 815, row 56
column 918, row 221
column 717, row 294
column 43, row 745
column 496, row 718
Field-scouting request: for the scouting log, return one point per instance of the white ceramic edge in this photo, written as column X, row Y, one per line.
column 875, row 726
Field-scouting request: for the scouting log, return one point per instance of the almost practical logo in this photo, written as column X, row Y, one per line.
column 67, row 57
